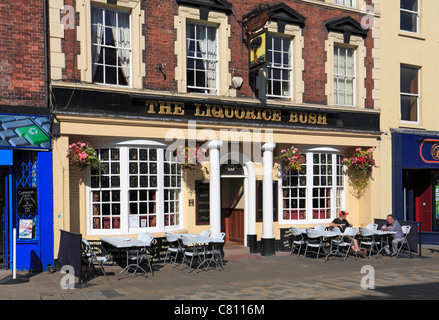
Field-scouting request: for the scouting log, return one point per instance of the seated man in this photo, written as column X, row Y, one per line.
column 394, row 225
column 342, row 224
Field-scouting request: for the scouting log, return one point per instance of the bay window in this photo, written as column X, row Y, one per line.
column 135, row 188
column 315, row 194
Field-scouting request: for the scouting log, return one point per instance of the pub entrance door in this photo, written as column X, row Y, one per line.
column 232, row 209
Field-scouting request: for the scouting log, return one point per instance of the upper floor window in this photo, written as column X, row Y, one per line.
column 346, row 3
column 410, row 15
column 202, row 58
column 409, row 94
column 111, row 47
column 280, row 67
column 344, row 75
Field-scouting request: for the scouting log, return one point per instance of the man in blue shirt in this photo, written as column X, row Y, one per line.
column 393, row 225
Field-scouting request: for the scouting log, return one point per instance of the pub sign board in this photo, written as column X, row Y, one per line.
column 212, row 111
column 27, row 200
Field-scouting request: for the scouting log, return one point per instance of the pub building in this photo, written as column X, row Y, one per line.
column 243, row 81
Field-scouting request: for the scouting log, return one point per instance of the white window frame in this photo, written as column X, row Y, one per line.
column 207, row 90
column 418, row 96
column 346, row 3
column 289, row 68
column 411, row 12
column 339, row 76
column 124, row 193
column 337, row 192
column 117, row 11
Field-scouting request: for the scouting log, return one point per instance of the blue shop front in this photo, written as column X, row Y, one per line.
column 26, row 192
column 415, row 179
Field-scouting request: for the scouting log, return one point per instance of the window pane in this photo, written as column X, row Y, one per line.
column 409, row 21
column 409, row 108
column 409, row 5
column 409, row 80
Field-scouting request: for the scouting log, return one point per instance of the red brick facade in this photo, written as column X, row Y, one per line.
column 22, row 65
column 160, row 36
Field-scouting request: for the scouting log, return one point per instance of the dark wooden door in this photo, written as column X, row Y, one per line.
column 233, row 224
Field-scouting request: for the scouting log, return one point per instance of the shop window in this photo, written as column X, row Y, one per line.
column 409, row 15
column 316, row 192
column 409, row 94
column 111, row 47
column 202, row 58
column 280, row 67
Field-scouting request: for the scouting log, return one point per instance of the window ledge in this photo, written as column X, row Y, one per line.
column 414, row 125
column 412, row 35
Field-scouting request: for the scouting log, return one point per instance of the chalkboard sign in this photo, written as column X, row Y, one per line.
column 260, row 200
column 202, row 201
column 27, row 200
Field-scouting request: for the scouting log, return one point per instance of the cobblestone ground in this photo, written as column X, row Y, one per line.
column 251, row 277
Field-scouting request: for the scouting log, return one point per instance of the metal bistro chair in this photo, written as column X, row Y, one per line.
column 146, row 237
column 89, row 255
column 297, row 240
column 372, row 226
column 368, row 240
column 174, row 247
column 314, row 241
column 349, row 232
column 216, row 248
column 320, row 227
column 191, row 250
column 405, row 231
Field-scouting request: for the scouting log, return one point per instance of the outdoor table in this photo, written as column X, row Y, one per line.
column 127, row 244
column 327, row 234
column 204, row 241
column 382, row 234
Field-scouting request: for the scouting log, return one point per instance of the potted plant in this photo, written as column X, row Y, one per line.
column 290, row 159
column 82, row 155
column 359, row 167
column 190, row 158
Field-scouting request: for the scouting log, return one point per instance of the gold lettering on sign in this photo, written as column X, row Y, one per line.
column 308, row 118
column 235, row 112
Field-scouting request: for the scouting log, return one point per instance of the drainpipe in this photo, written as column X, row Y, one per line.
column 46, row 53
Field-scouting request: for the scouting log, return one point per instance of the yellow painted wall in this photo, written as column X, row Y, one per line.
column 400, row 47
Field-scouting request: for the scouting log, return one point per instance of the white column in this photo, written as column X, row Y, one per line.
column 267, row 191
column 215, row 186
column 251, row 207
column 267, row 240
column 251, row 202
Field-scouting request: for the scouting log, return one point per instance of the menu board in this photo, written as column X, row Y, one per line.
column 202, row 201
column 27, row 200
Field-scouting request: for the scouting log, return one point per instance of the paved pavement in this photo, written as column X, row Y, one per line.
column 251, row 277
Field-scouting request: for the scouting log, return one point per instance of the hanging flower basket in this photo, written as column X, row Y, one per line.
column 190, row 158
column 291, row 159
column 82, row 155
column 359, row 167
